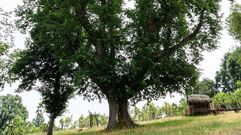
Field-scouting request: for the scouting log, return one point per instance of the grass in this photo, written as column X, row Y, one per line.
column 228, row 123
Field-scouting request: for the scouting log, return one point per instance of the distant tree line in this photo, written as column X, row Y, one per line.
column 13, row 118
column 151, row 112
column 90, row 121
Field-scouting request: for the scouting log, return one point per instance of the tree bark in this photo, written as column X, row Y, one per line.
column 119, row 117
column 51, row 126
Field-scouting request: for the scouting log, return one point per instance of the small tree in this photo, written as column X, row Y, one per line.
column 40, row 69
column 67, row 122
column 170, row 110
column 183, row 107
column 230, row 71
column 11, row 110
column 103, row 119
column 38, row 121
column 237, row 97
column 61, row 121
column 206, row 87
column 90, row 116
column 136, row 113
column 82, row 121
column 150, row 111
column 19, row 126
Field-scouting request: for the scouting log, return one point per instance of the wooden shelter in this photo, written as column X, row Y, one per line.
column 199, row 104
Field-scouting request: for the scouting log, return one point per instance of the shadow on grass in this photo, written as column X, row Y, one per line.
column 169, row 123
column 161, row 124
column 184, row 126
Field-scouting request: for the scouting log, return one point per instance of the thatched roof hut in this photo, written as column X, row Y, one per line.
column 197, row 98
column 199, row 104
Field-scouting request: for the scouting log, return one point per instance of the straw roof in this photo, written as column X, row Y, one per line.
column 197, row 98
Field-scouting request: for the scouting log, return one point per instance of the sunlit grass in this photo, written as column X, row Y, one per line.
column 223, row 124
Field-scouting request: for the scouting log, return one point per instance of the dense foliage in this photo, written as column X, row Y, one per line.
column 4, row 63
column 148, row 112
column 139, row 52
column 11, row 110
column 65, row 122
column 227, row 100
column 39, row 69
column 6, row 39
column 234, row 21
column 205, row 87
column 230, row 71
column 39, row 120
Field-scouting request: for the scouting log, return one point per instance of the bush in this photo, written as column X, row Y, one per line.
column 227, row 100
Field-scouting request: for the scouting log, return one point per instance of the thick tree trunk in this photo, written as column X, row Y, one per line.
column 119, row 117
column 51, row 126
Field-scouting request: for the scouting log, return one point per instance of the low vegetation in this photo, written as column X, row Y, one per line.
column 228, row 100
column 223, row 124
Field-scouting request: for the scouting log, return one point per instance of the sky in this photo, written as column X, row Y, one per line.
column 77, row 106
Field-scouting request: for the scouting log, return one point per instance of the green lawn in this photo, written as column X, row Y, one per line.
column 223, row 124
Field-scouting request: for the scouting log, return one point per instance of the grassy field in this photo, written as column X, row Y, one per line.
column 228, row 123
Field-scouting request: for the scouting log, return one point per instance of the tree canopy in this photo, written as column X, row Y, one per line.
column 10, row 108
column 38, row 121
column 234, row 21
column 38, row 69
column 230, row 72
column 6, row 39
column 119, row 52
column 206, row 87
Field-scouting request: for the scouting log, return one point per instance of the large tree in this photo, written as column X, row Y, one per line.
column 126, row 52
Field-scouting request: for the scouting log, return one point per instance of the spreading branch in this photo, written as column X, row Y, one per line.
column 186, row 40
column 81, row 13
column 93, row 35
column 166, row 52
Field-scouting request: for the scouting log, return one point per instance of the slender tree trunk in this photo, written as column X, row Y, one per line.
column 62, row 126
column 51, row 126
column 97, row 120
column 119, row 117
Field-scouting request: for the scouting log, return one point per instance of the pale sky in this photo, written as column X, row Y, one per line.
column 77, row 106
